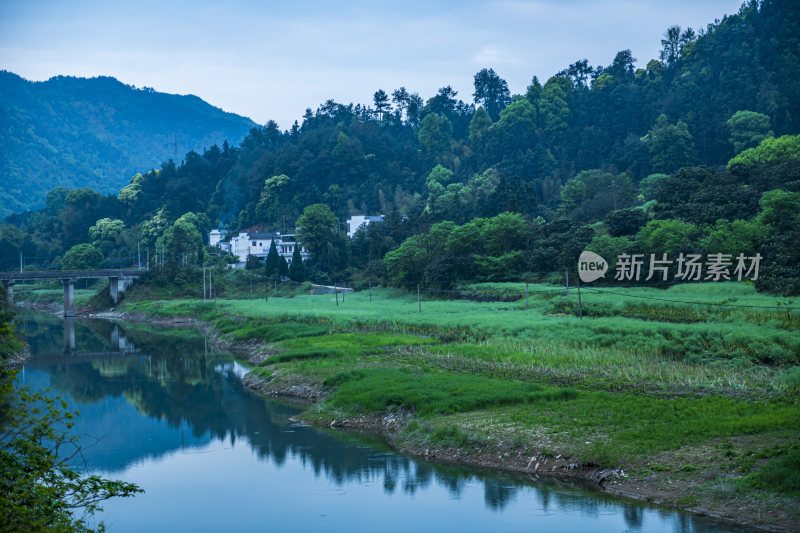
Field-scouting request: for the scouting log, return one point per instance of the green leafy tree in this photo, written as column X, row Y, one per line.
column 82, row 257
column 436, row 134
column 667, row 236
column 152, row 229
column 748, row 129
column 492, row 92
column 317, row 230
column 734, row 238
column 591, row 195
column 553, row 107
column 105, row 229
column 609, row 248
column 270, row 206
column 649, row 185
column 780, row 266
column 503, row 267
column 625, row 221
column 671, row 146
column 478, row 125
column 184, row 238
column 785, row 148
column 504, row 233
column 445, row 200
column 39, row 489
column 410, row 261
column 107, row 236
column 407, row 263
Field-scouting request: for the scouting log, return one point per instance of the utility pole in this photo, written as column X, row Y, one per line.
column 139, row 253
column 526, row 295
column 204, row 283
column 20, row 260
column 613, row 187
column 566, row 275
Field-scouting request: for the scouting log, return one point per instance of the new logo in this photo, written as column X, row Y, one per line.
column 591, row 267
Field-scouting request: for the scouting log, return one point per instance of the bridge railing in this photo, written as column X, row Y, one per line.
column 71, row 274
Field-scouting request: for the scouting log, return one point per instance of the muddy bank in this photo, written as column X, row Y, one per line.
column 16, row 359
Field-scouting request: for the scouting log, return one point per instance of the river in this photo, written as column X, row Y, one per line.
column 168, row 412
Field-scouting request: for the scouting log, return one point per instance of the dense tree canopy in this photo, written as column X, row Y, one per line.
column 606, row 154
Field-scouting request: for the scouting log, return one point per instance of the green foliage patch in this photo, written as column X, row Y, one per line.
column 341, row 345
column 781, row 474
column 374, row 390
column 622, row 426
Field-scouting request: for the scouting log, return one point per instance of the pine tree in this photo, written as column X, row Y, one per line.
column 272, row 265
column 297, row 270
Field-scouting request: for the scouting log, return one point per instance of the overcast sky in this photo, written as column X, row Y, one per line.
column 272, row 60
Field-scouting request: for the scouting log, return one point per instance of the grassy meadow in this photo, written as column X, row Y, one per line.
column 696, row 383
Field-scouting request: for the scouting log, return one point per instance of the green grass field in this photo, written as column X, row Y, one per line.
column 738, row 350
column 674, row 383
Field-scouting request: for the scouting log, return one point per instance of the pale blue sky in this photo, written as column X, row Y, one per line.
column 271, row 60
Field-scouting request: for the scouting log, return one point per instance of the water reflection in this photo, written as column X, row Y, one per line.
column 145, row 396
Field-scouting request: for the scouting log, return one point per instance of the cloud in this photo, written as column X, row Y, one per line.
column 490, row 55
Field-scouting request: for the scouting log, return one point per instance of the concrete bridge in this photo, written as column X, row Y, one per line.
column 118, row 280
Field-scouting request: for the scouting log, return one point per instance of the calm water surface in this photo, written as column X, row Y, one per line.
column 165, row 411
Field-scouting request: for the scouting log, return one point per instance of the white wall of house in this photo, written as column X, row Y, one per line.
column 257, row 244
column 215, row 236
column 356, row 221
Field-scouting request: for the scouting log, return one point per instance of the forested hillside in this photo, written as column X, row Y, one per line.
column 78, row 132
column 695, row 151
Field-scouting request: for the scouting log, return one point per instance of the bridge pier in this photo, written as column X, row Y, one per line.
column 9, row 285
column 115, row 339
column 113, row 289
column 117, row 286
column 69, row 297
column 69, row 335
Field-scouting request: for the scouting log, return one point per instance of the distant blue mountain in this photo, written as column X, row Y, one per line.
column 96, row 132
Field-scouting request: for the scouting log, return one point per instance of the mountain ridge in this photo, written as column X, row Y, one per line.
column 96, row 132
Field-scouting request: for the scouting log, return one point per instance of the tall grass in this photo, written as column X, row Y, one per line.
column 675, row 346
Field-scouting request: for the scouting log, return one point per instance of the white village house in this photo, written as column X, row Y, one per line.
column 245, row 243
column 256, row 243
column 357, row 221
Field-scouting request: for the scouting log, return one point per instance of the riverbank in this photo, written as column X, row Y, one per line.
column 707, row 436
column 678, row 480
column 691, row 416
